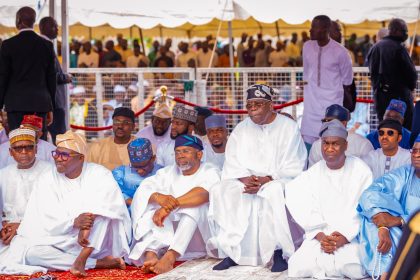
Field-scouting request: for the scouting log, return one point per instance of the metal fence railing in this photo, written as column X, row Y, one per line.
column 94, row 93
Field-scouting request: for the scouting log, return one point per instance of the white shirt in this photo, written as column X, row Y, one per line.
column 44, row 150
column 218, row 159
column 148, row 133
column 16, row 186
column 325, row 69
column 381, row 164
column 358, row 146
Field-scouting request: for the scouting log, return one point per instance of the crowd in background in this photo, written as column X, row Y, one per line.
column 251, row 51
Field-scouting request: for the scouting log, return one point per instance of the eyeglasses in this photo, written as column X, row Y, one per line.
column 63, row 155
column 27, row 148
column 124, row 123
column 415, row 151
column 388, row 132
column 256, row 104
column 183, row 151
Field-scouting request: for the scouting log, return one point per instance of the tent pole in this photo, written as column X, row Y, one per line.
column 141, row 39
column 230, row 43
column 161, row 35
column 415, row 32
column 277, row 30
column 53, row 15
column 65, row 50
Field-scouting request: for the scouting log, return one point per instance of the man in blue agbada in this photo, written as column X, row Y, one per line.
column 142, row 165
column 385, row 208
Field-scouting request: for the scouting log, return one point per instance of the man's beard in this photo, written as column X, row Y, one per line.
column 185, row 167
column 182, row 133
column 159, row 134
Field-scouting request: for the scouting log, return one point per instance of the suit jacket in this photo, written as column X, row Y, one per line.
column 27, row 73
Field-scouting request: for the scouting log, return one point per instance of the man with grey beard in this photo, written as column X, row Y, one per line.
column 169, row 210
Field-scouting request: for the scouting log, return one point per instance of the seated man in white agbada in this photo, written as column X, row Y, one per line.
column 44, row 148
column 76, row 217
column 246, row 213
column 169, row 210
column 17, row 181
column 323, row 201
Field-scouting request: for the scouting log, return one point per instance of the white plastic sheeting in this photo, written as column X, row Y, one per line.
column 173, row 13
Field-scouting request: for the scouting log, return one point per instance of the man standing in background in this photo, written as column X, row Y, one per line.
column 49, row 30
column 27, row 73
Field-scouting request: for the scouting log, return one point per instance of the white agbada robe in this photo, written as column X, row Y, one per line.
column 249, row 227
column 358, row 146
column 325, row 69
column 325, row 200
column 218, row 159
column 165, row 154
column 46, row 237
column 44, row 150
column 148, row 133
column 15, row 187
column 377, row 161
column 192, row 231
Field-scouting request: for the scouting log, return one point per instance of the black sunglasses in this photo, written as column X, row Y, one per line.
column 388, row 132
column 19, row 149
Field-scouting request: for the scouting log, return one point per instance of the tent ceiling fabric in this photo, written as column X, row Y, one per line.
column 148, row 14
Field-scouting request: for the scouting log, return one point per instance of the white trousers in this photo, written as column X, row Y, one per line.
column 185, row 238
column 58, row 257
column 310, row 261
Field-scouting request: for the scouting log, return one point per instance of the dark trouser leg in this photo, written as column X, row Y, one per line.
column 14, row 120
column 381, row 102
column 58, row 125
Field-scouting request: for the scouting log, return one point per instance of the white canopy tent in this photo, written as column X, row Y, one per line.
column 148, row 14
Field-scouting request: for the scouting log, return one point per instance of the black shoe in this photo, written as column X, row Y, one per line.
column 279, row 264
column 225, row 264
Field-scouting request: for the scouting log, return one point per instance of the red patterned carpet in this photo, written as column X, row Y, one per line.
column 95, row 274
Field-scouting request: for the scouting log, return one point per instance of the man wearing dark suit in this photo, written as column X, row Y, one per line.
column 49, row 30
column 27, row 73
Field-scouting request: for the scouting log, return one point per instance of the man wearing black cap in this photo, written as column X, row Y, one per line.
column 323, row 201
column 390, row 156
column 357, row 145
column 246, row 209
column 111, row 152
column 176, row 194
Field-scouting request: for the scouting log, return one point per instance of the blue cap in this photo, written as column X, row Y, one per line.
column 215, row 121
column 397, row 106
column 417, row 139
column 337, row 112
column 189, row 141
column 140, row 149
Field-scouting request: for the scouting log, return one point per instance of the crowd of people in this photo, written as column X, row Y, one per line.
column 316, row 200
